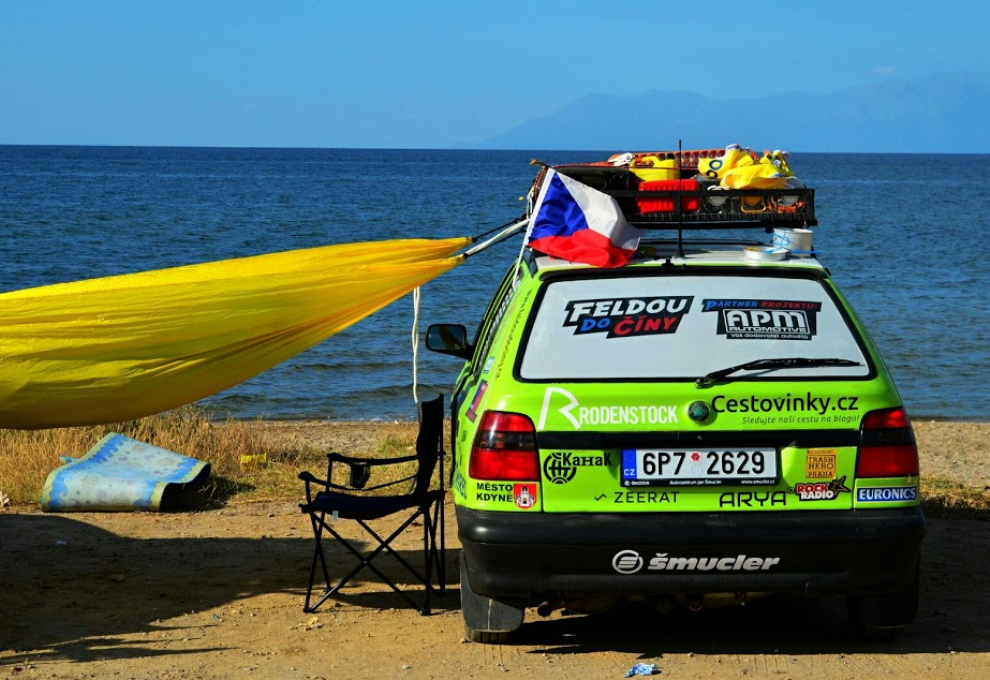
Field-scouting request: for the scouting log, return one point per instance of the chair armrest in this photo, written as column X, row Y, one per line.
column 310, row 478
column 341, row 458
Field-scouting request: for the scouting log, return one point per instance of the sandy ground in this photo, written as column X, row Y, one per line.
column 219, row 594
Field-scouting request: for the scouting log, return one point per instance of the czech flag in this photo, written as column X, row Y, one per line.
column 574, row 222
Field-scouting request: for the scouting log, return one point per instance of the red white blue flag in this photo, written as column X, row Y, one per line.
column 574, row 222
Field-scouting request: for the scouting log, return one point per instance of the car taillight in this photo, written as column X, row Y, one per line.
column 505, row 448
column 887, row 447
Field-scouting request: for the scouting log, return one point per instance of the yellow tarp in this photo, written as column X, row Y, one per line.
column 123, row 347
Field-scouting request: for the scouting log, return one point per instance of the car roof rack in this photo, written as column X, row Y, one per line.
column 687, row 200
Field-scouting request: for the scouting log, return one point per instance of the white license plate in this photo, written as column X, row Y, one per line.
column 698, row 467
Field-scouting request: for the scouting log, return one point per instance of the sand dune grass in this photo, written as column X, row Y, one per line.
column 28, row 456
column 953, row 480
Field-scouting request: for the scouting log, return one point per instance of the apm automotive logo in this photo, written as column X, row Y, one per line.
column 765, row 319
column 627, row 317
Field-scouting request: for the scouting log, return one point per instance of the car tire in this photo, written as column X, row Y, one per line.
column 486, row 620
column 884, row 616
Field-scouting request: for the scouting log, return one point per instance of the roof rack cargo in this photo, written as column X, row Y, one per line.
column 688, row 200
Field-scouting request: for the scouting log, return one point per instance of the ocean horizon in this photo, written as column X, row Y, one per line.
column 899, row 233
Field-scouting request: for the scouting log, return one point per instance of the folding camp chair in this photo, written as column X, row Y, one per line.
column 330, row 500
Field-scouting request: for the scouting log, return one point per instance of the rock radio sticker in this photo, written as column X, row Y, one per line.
column 628, row 317
column 821, row 491
column 765, row 319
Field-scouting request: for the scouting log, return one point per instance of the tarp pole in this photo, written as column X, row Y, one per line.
column 511, row 230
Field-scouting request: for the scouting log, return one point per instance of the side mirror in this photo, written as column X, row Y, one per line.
column 449, row 338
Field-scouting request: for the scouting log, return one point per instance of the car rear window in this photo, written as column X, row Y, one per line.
column 683, row 327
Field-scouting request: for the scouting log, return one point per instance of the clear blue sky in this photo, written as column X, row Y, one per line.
column 422, row 74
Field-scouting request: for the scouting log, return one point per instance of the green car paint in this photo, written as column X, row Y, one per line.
column 576, row 479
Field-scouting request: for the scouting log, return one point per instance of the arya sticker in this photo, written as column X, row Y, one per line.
column 524, row 495
column 628, row 317
column 765, row 319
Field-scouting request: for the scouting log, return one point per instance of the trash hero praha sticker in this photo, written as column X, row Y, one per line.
column 628, row 317
column 765, row 319
column 820, row 464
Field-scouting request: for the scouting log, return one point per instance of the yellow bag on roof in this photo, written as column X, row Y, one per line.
column 117, row 348
column 734, row 157
column 770, row 172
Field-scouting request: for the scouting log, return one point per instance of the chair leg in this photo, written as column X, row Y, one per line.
column 425, row 611
column 442, row 557
column 365, row 561
column 318, row 556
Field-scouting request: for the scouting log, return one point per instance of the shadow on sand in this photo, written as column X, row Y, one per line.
column 72, row 591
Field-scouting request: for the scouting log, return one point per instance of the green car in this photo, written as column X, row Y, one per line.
column 708, row 423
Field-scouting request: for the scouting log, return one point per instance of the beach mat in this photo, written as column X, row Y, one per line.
column 121, row 474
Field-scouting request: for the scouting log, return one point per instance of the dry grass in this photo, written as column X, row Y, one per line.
column 28, row 456
column 945, row 498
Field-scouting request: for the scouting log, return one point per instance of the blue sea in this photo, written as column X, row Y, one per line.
column 904, row 235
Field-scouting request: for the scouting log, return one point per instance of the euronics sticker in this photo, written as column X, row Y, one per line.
column 886, row 494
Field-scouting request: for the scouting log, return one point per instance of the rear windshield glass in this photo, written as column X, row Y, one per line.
column 683, row 327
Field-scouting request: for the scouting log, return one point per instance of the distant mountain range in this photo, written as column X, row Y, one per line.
column 945, row 113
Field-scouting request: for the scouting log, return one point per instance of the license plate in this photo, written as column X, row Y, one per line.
column 698, row 467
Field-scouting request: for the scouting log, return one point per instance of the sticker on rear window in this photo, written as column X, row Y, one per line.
column 623, row 317
column 765, row 319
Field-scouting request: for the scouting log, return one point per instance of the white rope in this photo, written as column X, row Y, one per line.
column 415, row 343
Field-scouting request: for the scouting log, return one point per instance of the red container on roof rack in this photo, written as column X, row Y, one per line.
column 666, row 205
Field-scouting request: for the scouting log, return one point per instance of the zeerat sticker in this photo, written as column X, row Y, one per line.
column 765, row 319
column 628, row 316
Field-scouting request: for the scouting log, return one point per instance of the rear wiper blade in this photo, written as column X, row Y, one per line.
column 793, row 362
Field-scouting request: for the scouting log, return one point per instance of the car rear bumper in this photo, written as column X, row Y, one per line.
column 521, row 556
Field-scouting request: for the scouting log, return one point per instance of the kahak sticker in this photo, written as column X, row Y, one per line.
column 560, row 467
column 765, row 319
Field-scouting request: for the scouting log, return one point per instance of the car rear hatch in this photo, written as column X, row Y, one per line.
column 637, row 410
